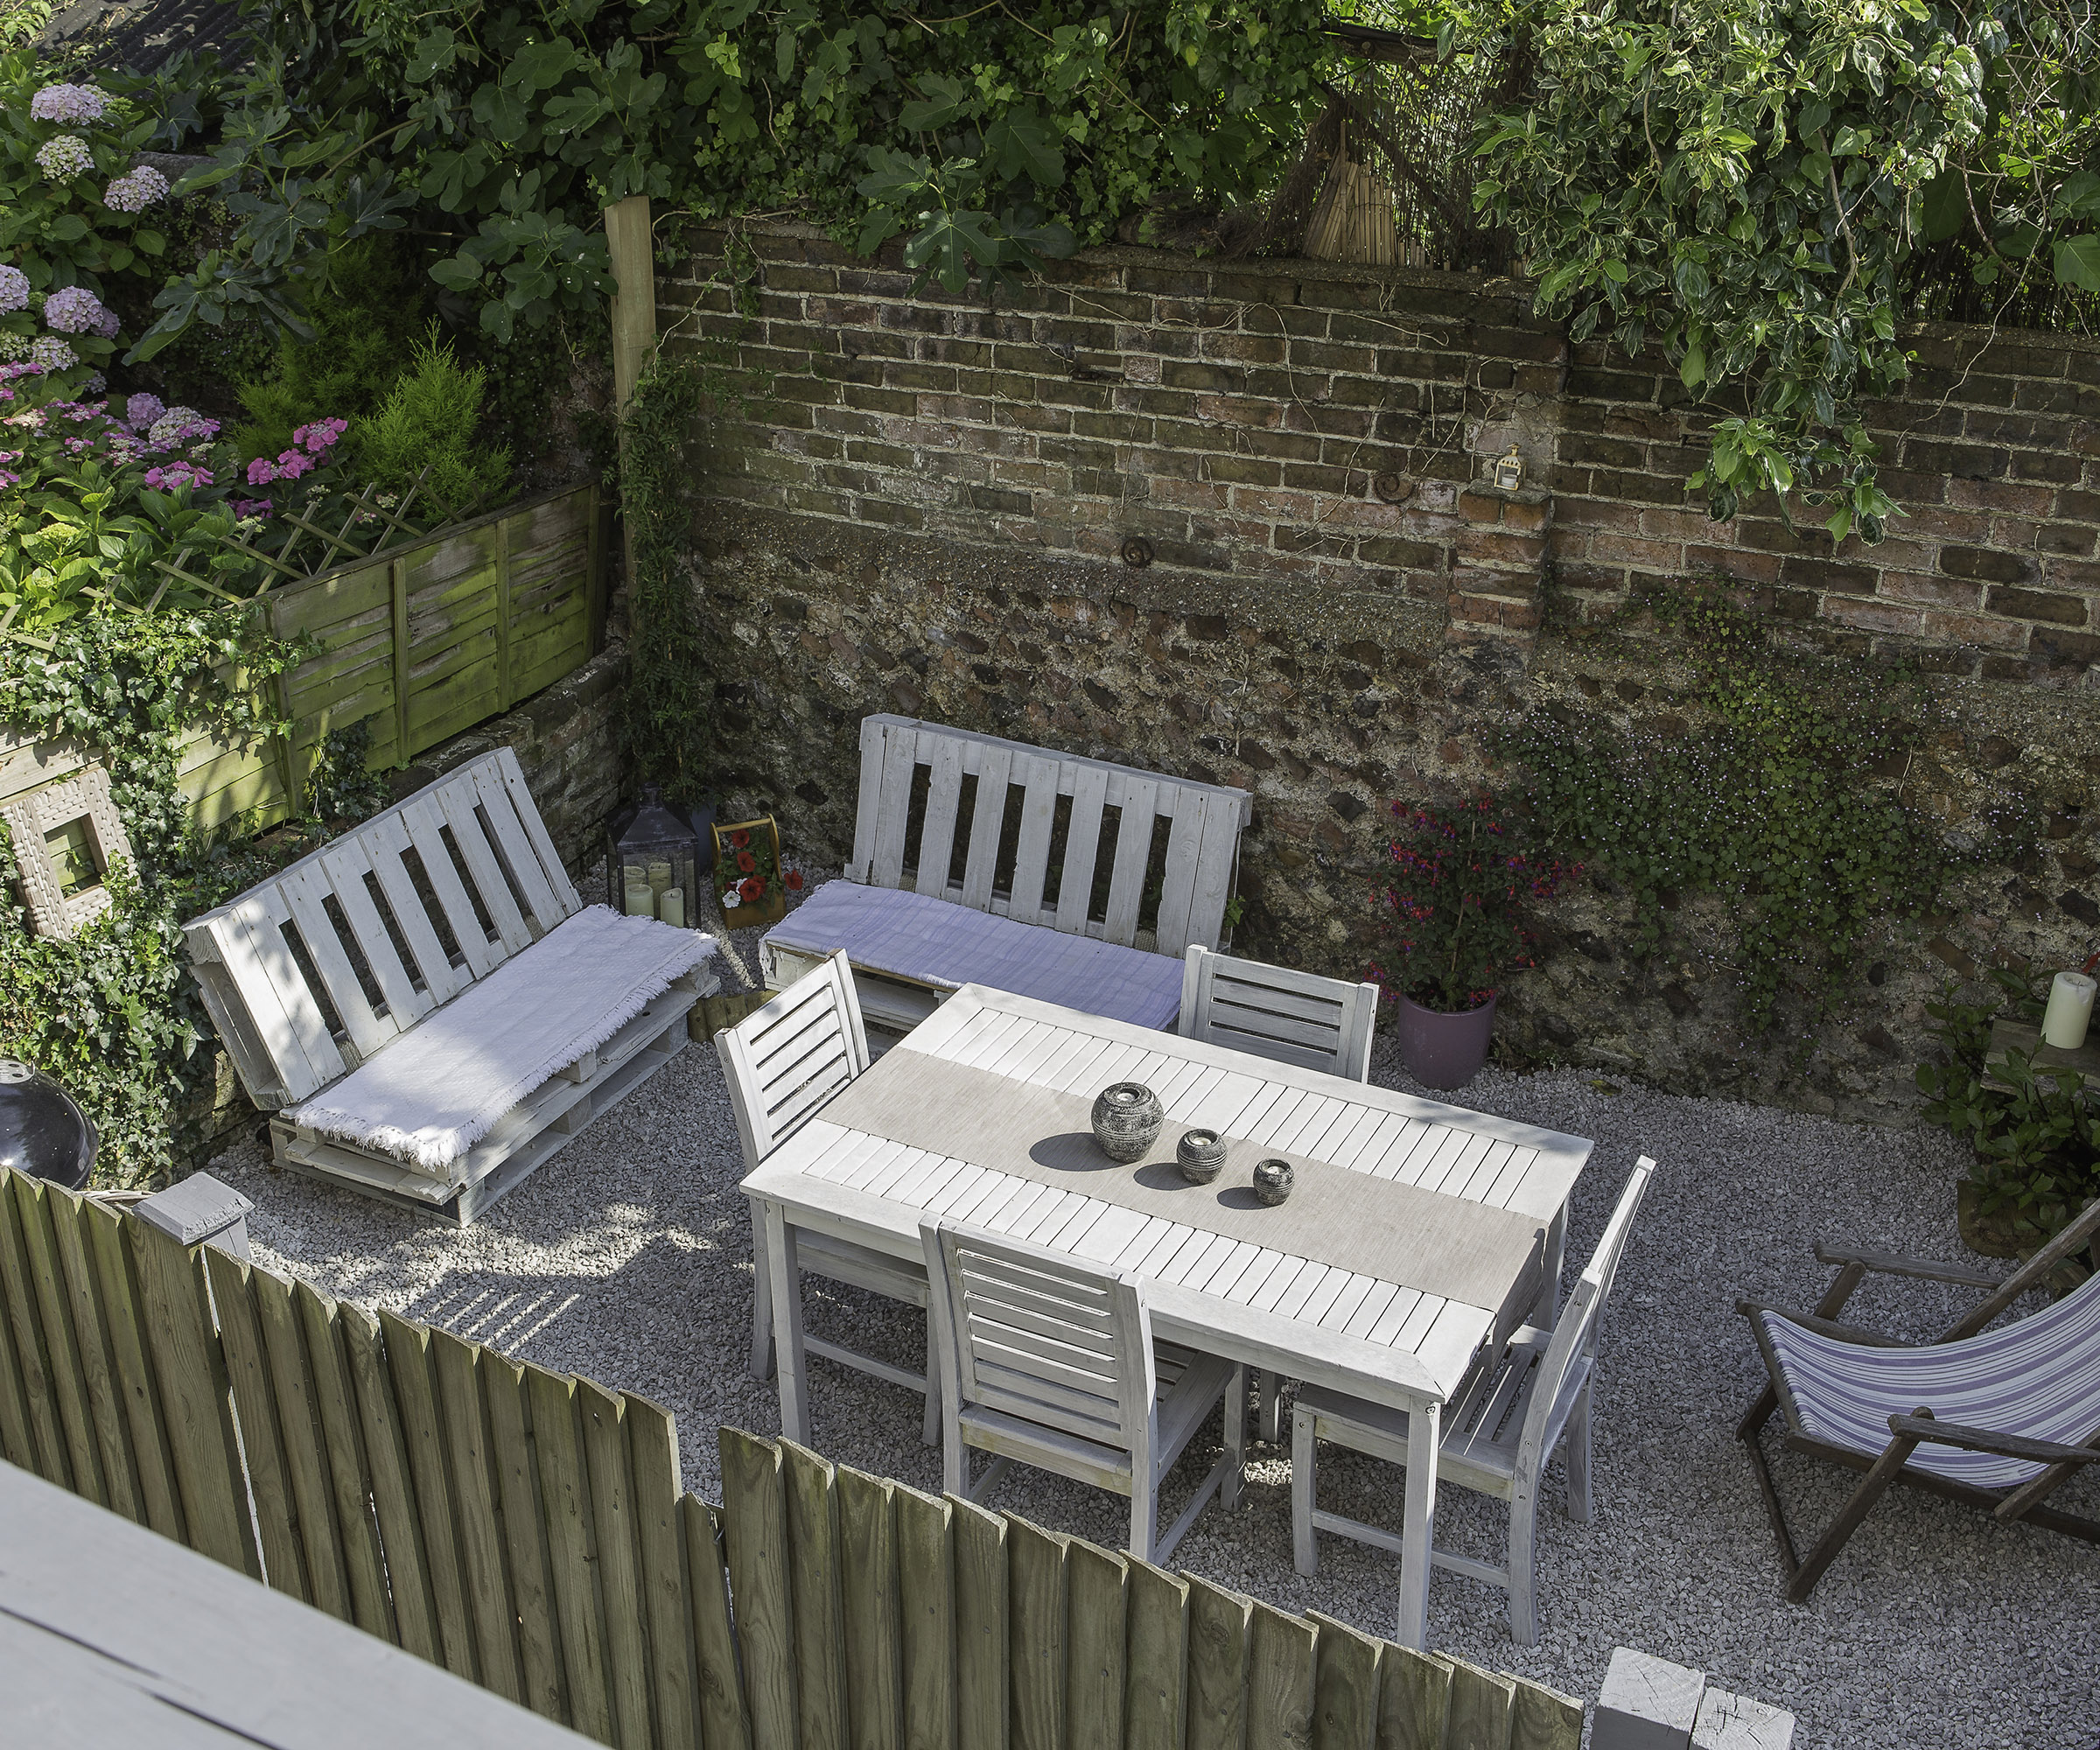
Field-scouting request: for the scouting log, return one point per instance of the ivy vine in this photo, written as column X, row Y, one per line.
column 1786, row 799
column 111, row 1013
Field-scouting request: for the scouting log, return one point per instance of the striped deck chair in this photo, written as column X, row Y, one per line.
column 1998, row 1418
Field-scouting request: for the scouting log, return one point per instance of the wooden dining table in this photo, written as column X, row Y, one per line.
column 1210, row 1281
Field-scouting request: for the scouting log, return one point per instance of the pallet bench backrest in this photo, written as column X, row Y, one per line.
column 987, row 852
column 310, row 973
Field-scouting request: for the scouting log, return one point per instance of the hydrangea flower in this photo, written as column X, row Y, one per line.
column 142, row 409
column 178, row 422
column 136, row 190
column 12, row 345
column 317, row 438
column 64, row 157
column 74, row 103
column 172, row 474
column 246, row 509
column 14, row 290
column 48, row 353
column 95, row 384
column 74, row 309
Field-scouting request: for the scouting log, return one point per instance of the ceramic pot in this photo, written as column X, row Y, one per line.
column 1445, row 1051
column 1273, row 1180
column 1200, row 1156
column 1127, row 1117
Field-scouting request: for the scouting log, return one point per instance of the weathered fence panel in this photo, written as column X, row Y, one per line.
column 418, row 644
column 527, row 1530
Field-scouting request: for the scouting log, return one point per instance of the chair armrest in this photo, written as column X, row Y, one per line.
column 1893, row 1263
column 1823, row 1327
column 1924, row 1428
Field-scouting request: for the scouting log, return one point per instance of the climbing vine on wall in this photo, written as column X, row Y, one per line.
column 110, row 1012
column 1786, row 797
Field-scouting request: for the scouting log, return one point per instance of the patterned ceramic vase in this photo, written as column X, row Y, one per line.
column 1200, row 1156
column 1127, row 1117
column 1273, row 1180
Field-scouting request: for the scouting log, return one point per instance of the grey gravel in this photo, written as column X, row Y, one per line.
column 628, row 1258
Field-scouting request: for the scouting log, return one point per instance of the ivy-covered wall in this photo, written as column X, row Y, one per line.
column 917, row 504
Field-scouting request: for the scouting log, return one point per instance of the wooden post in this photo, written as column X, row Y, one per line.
column 628, row 242
column 503, row 613
column 398, row 576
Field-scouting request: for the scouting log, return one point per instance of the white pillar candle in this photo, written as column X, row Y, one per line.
column 660, row 877
column 671, row 907
column 2070, row 1010
column 641, row 900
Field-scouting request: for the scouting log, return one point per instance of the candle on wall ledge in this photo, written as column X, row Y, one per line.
column 641, row 899
column 671, row 907
column 2070, row 1012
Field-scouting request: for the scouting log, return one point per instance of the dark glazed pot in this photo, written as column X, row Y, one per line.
column 1273, row 1180
column 1200, row 1156
column 1445, row 1051
column 1127, row 1117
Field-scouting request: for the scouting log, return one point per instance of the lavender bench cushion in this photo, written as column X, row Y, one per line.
column 938, row 943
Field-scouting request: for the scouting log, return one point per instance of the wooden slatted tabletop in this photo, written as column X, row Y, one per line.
column 1380, row 1340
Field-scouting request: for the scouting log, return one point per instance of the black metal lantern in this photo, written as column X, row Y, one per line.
column 42, row 1131
column 653, row 862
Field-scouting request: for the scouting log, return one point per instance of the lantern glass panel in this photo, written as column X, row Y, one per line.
column 652, row 862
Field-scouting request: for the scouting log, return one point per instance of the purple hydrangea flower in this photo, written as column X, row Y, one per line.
column 74, row 310
column 64, row 157
column 75, row 103
column 48, row 353
column 178, row 422
column 14, row 290
column 135, row 191
column 142, row 409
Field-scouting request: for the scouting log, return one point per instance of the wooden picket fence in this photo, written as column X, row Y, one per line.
column 527, row 1530
column 418, row 643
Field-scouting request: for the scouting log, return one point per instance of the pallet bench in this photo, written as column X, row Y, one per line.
column 375, row 947
column 1071, row 880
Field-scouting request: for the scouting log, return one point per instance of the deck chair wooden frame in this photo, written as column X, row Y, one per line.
column 1052, row 1363
column 1509, row 1419
column 1906, row 1433
column 782, row 1061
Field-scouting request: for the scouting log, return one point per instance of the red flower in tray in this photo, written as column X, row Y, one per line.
column 739, row 838
column 752, row 887
column 746, row 862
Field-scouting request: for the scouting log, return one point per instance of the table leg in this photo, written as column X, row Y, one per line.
column 1418, row 1534
column 1548, row 1305
column 789, row 1359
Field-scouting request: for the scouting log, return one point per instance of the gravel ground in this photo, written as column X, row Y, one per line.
column 628, row 1258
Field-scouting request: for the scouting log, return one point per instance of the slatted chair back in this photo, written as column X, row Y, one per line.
column 784, row 1059
column 997, row 814
column 1043, row 1343
column 309, row 973
column 1565, row 1367
column 1274, row 1012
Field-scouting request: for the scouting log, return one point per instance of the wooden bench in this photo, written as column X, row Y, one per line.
column 350, row 952
column 977, row 860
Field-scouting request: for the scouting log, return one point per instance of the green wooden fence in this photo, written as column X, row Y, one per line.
column 527, row 1530
column 418, row 643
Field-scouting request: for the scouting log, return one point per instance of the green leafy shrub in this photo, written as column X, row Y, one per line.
column 366, row 324
column 431, row 419
column 2034, row 1135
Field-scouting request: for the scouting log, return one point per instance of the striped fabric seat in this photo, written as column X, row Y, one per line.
column 2039, row 1377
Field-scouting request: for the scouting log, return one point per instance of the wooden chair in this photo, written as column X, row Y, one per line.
column 782, row 1061
column 1290, row 1018
column 1052, row 1363
column 1499, row 1433
column 1998, row 1419
column 1274, row 1012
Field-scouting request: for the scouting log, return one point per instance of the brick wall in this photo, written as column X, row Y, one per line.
column 1307, row 422
column 920, row 505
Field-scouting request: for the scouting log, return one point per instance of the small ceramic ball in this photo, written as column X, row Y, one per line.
column 1127, row 1117
column 1200, row 1156
column 1273, row 1180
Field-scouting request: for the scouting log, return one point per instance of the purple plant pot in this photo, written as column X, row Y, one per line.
column 1445, row 1051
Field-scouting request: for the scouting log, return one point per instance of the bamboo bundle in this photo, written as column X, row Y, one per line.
column 1354, row 220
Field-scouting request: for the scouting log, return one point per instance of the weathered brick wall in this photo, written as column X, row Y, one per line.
column 922, row 505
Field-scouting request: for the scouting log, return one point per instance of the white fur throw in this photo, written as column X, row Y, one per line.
column 435, row 1092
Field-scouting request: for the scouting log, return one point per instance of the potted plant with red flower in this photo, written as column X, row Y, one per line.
column 1455, row 931
column 749, row 881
